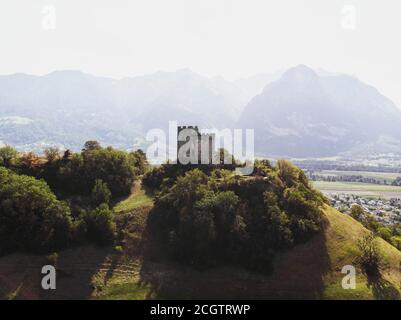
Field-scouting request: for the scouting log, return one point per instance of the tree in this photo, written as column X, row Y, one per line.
column 207, row 217
column 302, row 204
column 357, row 213
column 100, row 193
column 370, row 258
column 384, row 233
column 31, row 217
column 139, row 162
column 396, row 241
column 110, row 165
column 276, row 223
column 91, row 145
column 100, row 225
column 67, row 155
column 370, row 222
column 52, row 154
column 289, row 173
column 29, row 160
column 77, row 173
column 8, row 156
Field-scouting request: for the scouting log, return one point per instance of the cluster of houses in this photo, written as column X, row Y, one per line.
column 387, row 211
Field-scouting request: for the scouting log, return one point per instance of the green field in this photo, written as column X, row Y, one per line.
column 136, row 200
column 388, row 176
column 365, row 189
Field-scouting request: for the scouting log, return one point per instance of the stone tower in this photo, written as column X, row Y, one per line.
column 204, row 144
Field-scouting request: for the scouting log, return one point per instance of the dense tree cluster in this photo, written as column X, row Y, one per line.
column 77, row 173
column 347, row 178
column 167, row 173
column 396, row 182
column 31, row 216
column 213, row 216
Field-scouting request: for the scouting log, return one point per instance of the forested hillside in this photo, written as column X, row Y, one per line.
column 116, row 228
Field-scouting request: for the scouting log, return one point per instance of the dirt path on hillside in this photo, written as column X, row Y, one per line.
column 136, row 187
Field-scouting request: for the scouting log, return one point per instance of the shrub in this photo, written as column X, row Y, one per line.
column 100, row 225
column 31, row 217
column 100, row 193
column 52, row 259
column 139, row 162
column 110, row 165
column 8, row 156
column 384, row 233
column 370, row 258
column 357, row 213
column 396, row 242
column 52, row 154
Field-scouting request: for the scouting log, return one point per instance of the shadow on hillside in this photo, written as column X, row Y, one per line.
column 298, row 274
column 382, row 289
column 75, row 270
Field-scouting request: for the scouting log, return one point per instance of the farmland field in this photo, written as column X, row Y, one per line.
column 363, row 189
column 388, row 176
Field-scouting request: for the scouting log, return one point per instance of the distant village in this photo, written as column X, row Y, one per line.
column 386, row 211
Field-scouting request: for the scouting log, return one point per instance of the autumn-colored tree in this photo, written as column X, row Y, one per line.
column 30, row 160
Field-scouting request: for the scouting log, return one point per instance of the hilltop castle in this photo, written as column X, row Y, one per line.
column 203, row 146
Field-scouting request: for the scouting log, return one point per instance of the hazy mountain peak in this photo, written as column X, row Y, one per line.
column 300, row 71
column 304, row 114
column 299, row 79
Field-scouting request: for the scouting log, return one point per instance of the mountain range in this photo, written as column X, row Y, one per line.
column 296, row 113
column 66, row 108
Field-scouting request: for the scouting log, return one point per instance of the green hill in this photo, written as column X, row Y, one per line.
column 313, row 270
column 308, row 271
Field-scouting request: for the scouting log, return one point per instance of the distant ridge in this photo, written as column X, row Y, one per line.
column 68, row 107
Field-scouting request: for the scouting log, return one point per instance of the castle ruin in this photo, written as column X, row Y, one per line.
column 199, row 147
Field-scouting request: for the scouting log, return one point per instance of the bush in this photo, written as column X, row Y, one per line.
column 52, row 259
column 31, row 217
column 112, row 166
column 8, row 156
column 100, row 225
column 357, row 213
column 52, row 154
column 139, row 162
column 370, row 258
column 396, row 242
column 100, row 193
column 384, row 233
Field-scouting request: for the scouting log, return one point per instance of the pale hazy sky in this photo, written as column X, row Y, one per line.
column 232, row 38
